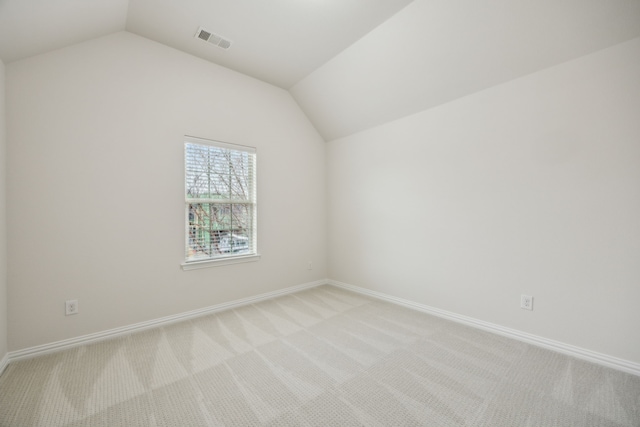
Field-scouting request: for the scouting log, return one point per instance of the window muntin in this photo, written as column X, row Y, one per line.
column 220, row 200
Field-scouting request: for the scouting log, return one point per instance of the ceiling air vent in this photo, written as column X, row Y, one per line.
column 212, row 38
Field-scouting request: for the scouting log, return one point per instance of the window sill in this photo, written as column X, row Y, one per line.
column 195, row 265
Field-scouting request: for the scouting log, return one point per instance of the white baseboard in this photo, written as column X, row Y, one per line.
column 581, row 353
column 4, row 363
column 125, row 330
column 568, row 349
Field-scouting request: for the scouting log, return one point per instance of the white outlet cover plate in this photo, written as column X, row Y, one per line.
column 71, row 307
column 526, row 302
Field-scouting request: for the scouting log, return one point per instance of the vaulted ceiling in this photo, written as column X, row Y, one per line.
column 277, row 41
column 350, row 64
column 435, row 51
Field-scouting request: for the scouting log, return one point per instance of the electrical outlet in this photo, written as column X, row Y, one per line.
column 310, row 266
column 526, row 302
column 71, row 307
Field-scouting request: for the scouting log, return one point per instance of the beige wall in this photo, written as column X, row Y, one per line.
column 95, row 186
column 3, row 219
column 529, row 187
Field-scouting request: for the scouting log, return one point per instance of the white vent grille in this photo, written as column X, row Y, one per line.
column 203, row 35
column 214, row 39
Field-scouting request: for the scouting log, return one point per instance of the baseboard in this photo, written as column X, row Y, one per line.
column 4, row 363
column 125, row 330
column 568, row 349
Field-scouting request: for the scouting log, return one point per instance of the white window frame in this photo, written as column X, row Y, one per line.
column 231, row 258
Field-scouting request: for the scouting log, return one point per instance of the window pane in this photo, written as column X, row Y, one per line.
column 208, row 224
column 242, row 227
column 207, row 172
column 219, row 228
column 196, row 181
column 219, row 173
column 239, row 175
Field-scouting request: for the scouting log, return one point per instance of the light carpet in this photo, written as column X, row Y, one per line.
column 320, row 357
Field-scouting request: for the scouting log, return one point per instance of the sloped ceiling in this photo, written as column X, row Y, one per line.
column 435, row 51
column 32, row 27
column 350, row 64
column 277, row 41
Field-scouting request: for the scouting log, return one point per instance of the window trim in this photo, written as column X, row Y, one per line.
column 226, row 259
column 218, row 262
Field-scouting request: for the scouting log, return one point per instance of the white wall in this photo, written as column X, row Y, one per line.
column 529, row 187
column 95, row 186
column 3, row 219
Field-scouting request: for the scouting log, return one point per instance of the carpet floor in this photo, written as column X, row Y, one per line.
column 320, row 357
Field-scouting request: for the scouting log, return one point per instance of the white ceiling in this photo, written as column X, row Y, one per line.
column 277, row 41
column 31, row 27
column 435, row 51
column 350, row 64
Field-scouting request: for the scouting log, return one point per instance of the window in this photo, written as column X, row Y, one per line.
column 220, row 202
